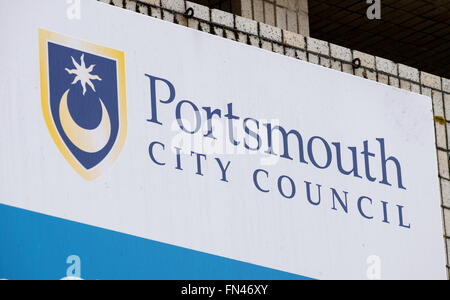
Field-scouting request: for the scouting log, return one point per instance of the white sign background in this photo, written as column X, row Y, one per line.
column 233, row 219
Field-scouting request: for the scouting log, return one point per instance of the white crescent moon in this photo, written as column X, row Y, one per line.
column 88, row 140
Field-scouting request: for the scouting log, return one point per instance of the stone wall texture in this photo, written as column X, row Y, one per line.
column 271, row 25
column 290, row 15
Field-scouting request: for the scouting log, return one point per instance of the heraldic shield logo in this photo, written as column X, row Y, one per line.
column 83, row 101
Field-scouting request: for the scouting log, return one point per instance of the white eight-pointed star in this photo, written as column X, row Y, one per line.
column 83, row 74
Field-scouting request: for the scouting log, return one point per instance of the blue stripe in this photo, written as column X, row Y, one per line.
column 36, row 246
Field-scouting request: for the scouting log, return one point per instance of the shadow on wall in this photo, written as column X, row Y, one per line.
column 415, row 33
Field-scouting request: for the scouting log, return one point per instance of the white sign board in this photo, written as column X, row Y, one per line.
column 128, row 124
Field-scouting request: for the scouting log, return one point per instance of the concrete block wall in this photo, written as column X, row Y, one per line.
column 286, row 42
column 290, row 15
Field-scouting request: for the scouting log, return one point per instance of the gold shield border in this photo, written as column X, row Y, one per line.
column 46, row 36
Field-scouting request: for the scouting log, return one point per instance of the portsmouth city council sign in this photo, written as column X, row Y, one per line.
column 173, row 154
